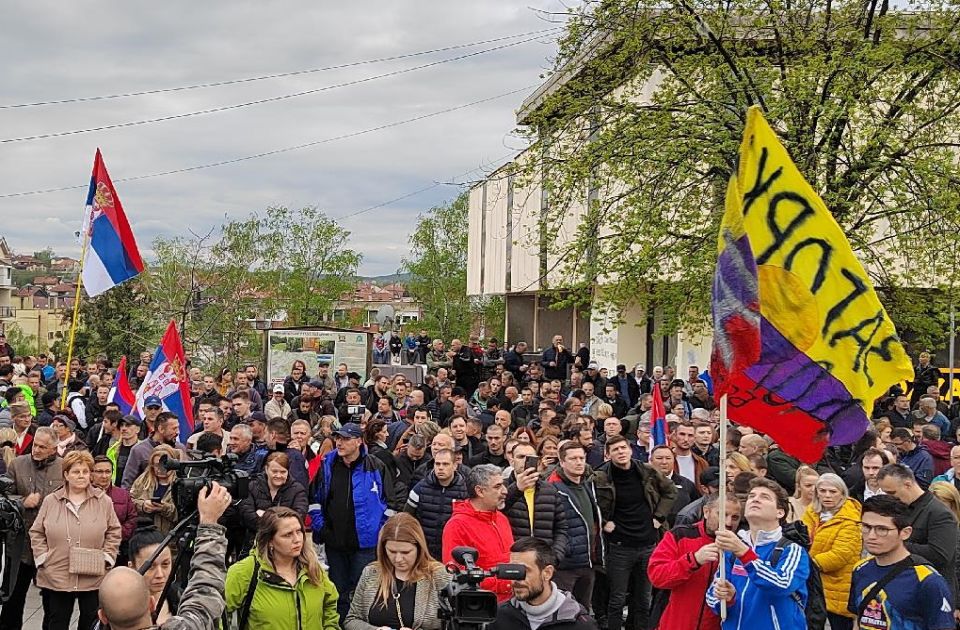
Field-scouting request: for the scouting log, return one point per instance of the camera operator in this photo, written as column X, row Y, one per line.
column 125, row 600
column 536, row 599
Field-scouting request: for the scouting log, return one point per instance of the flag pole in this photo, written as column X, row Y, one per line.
column 76, row 314
column 723, row 495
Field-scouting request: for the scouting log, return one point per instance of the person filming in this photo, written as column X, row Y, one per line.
column 125, row 599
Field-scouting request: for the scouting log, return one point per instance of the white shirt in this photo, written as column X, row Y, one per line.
column 867, row 492
column 686, row 467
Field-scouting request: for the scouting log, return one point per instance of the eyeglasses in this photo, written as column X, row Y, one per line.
column 880, row 530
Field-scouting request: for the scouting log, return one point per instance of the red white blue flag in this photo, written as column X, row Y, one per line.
column 658, row 419
column 121, row 393
column 112, row 255
column 167, row 379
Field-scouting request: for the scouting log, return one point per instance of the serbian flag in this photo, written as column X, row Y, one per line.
column 658, row 419
column 112, row 255
column 121, row 393
column 167, row 379
column 802, row 345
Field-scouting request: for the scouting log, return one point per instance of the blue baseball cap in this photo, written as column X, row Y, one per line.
column 349, row 430
column 153, row 401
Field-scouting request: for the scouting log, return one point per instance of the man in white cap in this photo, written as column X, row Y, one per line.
column 277, row 406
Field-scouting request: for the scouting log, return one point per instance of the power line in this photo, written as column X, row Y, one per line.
column 297, row 147
column 278, row 75
column 420, row 190
column 136, row 123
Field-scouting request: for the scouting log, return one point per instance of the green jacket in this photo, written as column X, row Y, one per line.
column 276, row 603
column 658, row 491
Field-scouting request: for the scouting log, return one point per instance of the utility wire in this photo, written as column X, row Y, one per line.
column 136, row 123
column 297, row 147
column 422, row 190
column 278, row 75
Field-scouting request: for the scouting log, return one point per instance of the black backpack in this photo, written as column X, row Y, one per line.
column 816, row 609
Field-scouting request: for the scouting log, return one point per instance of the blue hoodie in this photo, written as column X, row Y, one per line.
column 764, row 599
column 920, row 462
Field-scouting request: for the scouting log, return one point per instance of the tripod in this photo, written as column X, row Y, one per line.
column 184, row 532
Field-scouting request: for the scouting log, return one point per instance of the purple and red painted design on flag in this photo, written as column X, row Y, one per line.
column 771, row 385
column 167, row 379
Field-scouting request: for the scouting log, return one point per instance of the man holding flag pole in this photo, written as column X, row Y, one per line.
column 802, row 348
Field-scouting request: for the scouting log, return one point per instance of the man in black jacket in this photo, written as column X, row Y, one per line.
column 555, row 360
column 494, row 453
column 431, row 500
column 900, row 415
column 575, row 573
column 925, row 375
column 549, row 519
column 514, row 362
column 635, row 513
column 934, row 528
column 536, row 601
column 626, row 386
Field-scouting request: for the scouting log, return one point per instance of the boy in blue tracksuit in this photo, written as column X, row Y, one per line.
column 761, row 595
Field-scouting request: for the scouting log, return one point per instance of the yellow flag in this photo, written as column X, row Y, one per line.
column 802, row 344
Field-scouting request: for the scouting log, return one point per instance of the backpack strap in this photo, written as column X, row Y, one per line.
column 775, row 558
column 895, row 570
column 248, row 599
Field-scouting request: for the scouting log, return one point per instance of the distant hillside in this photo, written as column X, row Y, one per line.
column 402, row 278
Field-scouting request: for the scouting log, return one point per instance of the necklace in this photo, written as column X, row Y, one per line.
column 396, row 602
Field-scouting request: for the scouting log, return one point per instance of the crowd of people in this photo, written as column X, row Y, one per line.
column 362, row 486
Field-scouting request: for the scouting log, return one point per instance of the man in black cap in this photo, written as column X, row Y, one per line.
column 119, row 451
column 258, row 427
column 349, row 522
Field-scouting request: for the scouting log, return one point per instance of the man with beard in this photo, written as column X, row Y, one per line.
column 536, row 599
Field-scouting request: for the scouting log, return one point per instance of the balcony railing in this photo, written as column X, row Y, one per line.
column 7, row 312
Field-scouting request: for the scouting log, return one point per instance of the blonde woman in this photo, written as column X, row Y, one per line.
column 152, row 491
column 400, row 588
column 833, row 521
column 948, row 494
column 292, row 591
column 735, row 464
column 806, row 489
column 75, row 540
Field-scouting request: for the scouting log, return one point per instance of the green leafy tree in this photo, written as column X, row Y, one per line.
column 23, row 343
column 438, row 268
column 119, row 322
column 305, row 253
column 640, row 138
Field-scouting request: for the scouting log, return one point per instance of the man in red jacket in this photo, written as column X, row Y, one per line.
column 683, row 565
column 478, row 523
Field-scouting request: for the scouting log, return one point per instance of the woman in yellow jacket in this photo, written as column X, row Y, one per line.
column 291, row 590
column 833, row 520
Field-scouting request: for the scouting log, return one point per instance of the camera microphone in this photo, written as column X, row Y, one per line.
column 464, row 556
column 169, row 463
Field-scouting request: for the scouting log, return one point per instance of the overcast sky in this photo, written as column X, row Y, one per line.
column 56, row 50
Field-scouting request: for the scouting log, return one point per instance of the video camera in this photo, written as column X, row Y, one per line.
column 13, row 532
column 196, row 474
column 463, row 604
